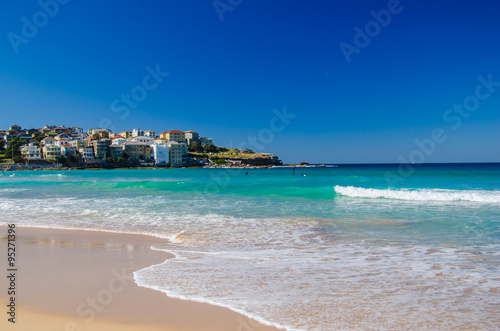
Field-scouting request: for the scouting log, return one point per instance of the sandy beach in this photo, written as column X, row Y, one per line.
column 83, row 280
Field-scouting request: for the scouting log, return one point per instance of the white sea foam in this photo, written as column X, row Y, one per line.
column 421, row 194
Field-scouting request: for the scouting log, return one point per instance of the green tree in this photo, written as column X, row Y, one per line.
column 2, row 145
column 210, row 149
column 218, row 160
column 13, row 148
column 222, row 149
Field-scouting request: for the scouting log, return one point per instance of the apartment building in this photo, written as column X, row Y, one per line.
column 137, row 151
column 192, row 137
column 173, row 135
column 161, row 153
column 51, row 152
column 100, row 149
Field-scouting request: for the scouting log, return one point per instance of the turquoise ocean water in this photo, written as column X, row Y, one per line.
column 347, row 247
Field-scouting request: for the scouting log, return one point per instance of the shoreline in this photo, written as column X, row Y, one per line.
column 84, row 278
column 167, row 168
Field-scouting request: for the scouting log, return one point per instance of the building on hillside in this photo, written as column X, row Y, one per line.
column 136, row 151
column 118, row 141
column 115, row 151
column 16, row 128
column 206, row 141
column 160, row 141
column 89, row 141
column 173, row 135
column 65, row 135
column 77, row 144
column 80, row 138
column 177, row 153
column 61, row 142
column 192, row 137
column 48, row 141
column 67, row 150
column 100, row 149
column 126, row 134
column 150, row 134
column 58, row 129
column 87, row 153
column 160, row 154
column 137, row 132
column 91, row 132
column 31, row 152
column 143, row 139
column 48, row 128
column 8, row 138
column 51, row 152
column 24, row 136
column 76, row 130
column 107, row 140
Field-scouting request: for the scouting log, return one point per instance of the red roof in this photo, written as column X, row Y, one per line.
column 175, row 131
column 115, row 137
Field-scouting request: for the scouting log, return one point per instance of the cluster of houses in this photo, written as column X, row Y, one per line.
column 97, row 146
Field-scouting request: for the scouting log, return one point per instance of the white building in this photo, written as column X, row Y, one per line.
column 48, row 141
column 118, row 141
column 150, row 134
column 161, row 153
column 143, row 139
column 137, row 133
column 61, row 142
column 63, row 135
column 31, row 152
column 87, row 153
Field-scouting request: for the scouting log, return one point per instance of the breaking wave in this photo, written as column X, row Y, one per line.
column 420, row 194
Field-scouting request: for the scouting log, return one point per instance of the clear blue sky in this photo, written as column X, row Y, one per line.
column 226, row 76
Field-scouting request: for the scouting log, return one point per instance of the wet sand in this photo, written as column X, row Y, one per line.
column 83, row 280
